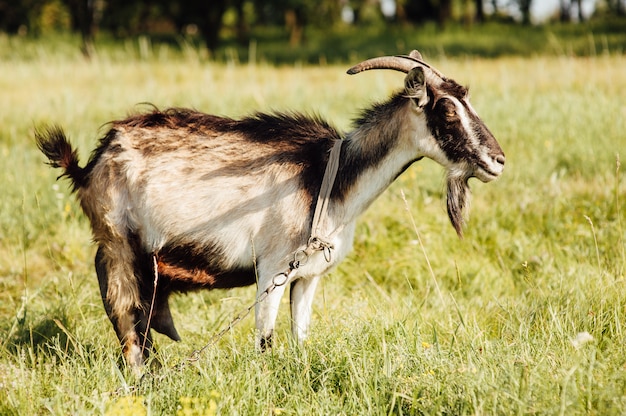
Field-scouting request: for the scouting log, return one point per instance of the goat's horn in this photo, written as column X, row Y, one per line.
column 402, row 63
column 397, row 63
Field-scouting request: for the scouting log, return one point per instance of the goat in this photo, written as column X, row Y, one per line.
column 220, row 203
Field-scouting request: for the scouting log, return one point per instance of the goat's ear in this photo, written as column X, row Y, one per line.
column 415, row 86
column 416, row 55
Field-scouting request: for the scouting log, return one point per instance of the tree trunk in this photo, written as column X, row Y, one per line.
column 211, row 23
column 564, row 11
column 83, row 19
column 241, row 25
column 525, row 9
column 480, row 11
column 295, row 26
column 444, row 13
column 579, row 3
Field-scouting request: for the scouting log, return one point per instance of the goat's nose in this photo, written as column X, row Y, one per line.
column 500, row 159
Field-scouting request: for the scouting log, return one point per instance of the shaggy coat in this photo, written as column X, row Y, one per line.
column 220, row 203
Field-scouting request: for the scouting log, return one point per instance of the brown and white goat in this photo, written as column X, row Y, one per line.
column 222, row 203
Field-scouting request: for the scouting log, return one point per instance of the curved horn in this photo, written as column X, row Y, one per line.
column 402, row 63
column 397, row 63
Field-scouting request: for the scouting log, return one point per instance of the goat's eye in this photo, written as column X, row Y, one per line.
column 450, row 113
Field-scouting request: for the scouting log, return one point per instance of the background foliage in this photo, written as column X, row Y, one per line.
column 243, row 21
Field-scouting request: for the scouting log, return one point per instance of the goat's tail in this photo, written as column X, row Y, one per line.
column 54, row 144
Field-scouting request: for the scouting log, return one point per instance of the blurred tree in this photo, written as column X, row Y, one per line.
column 617, row 7
column 124, row 17
column 579, row 4
column 53, row 17
column 420, row 11
column 207, row 15
column 444, row 13
column 524, row 8
column 480, row 11
column 565, row 11
column 439, row 11
column 83, row 13
column 297, row 14
column 16, row 16
column 241, row 25
column 11, row 17
column 494, row 6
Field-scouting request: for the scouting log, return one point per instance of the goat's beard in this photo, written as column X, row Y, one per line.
column 458, row 198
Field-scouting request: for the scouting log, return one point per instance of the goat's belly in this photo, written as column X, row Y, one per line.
column 183, row 279
column 187, row 270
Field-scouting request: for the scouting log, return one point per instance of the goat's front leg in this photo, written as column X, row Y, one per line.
column 301, row 294
column 266, row 312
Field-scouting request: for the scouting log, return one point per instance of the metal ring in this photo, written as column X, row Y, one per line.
column 280, row 282
column 300, row 258
column 327, row 253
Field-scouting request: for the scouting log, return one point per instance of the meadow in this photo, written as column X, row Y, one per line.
column 525, row 315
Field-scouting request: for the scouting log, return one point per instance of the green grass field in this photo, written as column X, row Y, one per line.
column 526, row 315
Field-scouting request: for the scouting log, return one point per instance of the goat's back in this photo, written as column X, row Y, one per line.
column 181, row 176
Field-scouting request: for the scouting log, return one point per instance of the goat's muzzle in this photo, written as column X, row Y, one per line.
column 491, row 169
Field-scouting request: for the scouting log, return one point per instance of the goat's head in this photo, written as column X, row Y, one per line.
column 464, row 145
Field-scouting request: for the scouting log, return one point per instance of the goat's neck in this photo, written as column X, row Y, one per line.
column 384, row 143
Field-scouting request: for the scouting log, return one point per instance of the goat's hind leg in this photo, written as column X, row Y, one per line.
column 155, row 293
column 161, row 320
column 130, row 322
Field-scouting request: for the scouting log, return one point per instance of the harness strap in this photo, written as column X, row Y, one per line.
column 323, row 198
column 316, row 242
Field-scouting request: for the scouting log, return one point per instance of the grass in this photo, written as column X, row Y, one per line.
column 493, row 329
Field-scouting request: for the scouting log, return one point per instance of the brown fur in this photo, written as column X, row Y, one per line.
column 222, row 203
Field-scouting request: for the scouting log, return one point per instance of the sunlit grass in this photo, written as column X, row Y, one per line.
column 492, row 330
